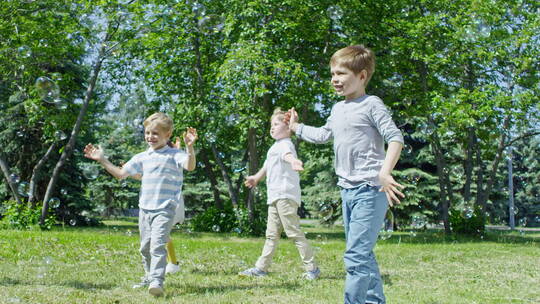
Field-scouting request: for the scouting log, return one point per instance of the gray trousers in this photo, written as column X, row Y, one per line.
column 155, row 228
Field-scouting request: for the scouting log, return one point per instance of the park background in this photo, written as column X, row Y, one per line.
column 461, row 79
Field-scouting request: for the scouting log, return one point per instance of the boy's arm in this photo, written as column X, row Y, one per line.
column 96, row 153
column 252, row 180
column 310, row 134
column 190, row 136
column 296, row 164
column 389, row 185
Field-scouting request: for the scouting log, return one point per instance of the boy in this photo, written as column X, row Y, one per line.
column 358, row 125
column 283, row 187
column 160, row 168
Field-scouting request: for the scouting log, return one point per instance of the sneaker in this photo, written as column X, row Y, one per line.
column 253, row 272
column 172, row 268
column 143, row 284
column 155, row 289
column 312, row 274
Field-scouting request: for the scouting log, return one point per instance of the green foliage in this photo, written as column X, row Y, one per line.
column 463, row 223
column 227, row 220
column 23, row 216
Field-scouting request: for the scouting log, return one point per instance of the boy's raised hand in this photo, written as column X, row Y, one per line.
column 190, row 136
column 251, row 181
column 93, row 152
column 390, row 187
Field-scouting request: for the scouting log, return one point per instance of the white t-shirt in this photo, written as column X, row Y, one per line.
column 281, row 180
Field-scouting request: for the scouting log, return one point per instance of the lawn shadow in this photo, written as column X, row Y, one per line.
column 176, row 289
column 73, row 284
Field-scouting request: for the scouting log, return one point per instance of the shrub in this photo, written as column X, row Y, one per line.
column 228, row 220
column 24, row 216
column 467, row 223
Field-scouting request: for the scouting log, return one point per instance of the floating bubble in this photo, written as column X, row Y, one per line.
column 47, row 89
column 14, row 178
column 238, row 170
column 24, row 51
column 59, row 135
column 537, row 219
column 467, row 212
column 198, row 8
column 412, row 233
column 73, row 222
column 90, row 171
column 222, row 215
column 47, row 260
column 418, row 221
column 237, row 230
column 211, row 24
column 54, row 202
column 20, row 133
column 78, row 101
column 232, row 119
column 407, row 149
column 216, row 228
column 522, row 222
column 211, row 137
column 129, row 233
column 63, row 191
column 326, row 211
column 60, row 104
column 24, row 189
column 334, row 12
column 387, row 228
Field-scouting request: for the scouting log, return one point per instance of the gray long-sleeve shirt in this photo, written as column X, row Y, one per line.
column 359, row 128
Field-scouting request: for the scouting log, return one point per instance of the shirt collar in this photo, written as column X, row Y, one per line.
column 160, row 150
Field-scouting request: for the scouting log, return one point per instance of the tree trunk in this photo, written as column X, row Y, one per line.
column 69, row 147
column 5, row 169
column 444, row 184
column 225, row 174
column 468, row 164
column 213, row 182
column 253, row 168
column 36, row 173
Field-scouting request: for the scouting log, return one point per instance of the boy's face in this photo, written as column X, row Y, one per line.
column 156, row 137
column 279, row 129
column 346, row 82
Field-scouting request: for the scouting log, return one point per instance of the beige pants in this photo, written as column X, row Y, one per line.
column 282, row 215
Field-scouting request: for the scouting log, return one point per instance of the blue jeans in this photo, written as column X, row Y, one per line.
column 364, row 209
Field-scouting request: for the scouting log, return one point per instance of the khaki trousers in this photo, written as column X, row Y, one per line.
column 282, row 215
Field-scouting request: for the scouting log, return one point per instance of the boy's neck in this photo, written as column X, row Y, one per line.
column 356, row 95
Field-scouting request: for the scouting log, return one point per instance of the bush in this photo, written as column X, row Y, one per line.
column 467, row 221
column 228, row 220
column 24, row 216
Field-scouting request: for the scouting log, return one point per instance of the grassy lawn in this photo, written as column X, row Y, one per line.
column 99, row 265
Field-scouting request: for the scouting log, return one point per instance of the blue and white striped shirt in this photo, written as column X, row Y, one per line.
column 162, row 176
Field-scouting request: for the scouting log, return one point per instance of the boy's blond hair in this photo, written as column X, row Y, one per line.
column 355, row 58
column 278, row 113
column 159, row 120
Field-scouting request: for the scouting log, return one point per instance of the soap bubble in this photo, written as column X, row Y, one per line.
column 467, row 212
column 334, row 12
column 14, row 178
column 47, row 89
column 237, row 230
column 63, row 191
column 326, row 212
column 90, row 171
column 216, row 228
column 24, row 51
column 211, row 24
column 59, row 135
column 54, row 202
column 73, row 222
column 418, row 221
column 24, row 189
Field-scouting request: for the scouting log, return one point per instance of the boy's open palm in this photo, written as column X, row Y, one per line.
column 93, row 152
column 190, row 136
column 250, row 181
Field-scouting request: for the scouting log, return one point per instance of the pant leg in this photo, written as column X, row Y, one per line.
column 161, row 225
column 144, row 249
column 273, row 233
column 366, row 208
column 288, row 214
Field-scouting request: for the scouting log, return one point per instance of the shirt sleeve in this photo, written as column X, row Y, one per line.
column 382, row 120
column 134, row 166
column 315, row 135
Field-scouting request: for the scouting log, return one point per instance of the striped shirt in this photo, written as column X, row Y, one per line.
column 162, row 176
column 358, row 128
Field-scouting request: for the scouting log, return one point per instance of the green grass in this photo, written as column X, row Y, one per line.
column 99, row 265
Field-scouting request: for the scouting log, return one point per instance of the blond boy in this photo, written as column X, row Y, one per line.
column 283, row 187
column 358, row 126
column 161, row 169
